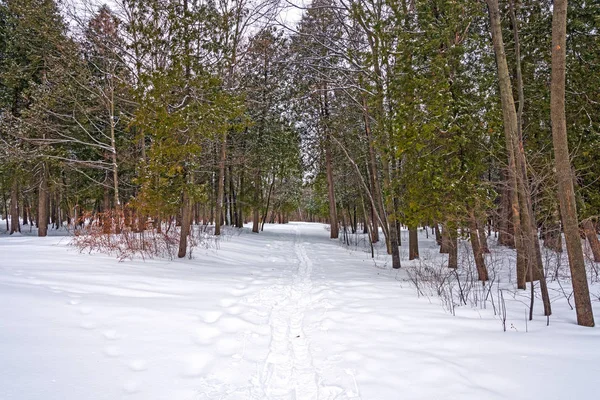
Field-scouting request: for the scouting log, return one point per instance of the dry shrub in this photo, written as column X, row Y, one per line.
column 93, row 236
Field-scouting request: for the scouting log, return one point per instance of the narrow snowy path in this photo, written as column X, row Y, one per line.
column 284, row 315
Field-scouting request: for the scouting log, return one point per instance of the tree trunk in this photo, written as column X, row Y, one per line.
column 186, row 216
column 445, row 240
column 592, row 237
column 115, row 166
column 483, row 237
column 240, row 205
column 452, row 248
column 413, row 243
column 523, row 221
column 552, row 236
column 333, row 222
column 566, row 192
column 255, row 212
column 25, row 211
column 438, row 235
column 14, row 207
column 373, row 178
column 482, row 272
column 42, row 219
column 262, row 228
column 221, row 185
column 506, row 236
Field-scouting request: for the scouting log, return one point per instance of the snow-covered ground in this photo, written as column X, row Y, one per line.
column 287, row 314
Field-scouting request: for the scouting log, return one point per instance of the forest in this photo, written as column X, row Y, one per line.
column 163, row 120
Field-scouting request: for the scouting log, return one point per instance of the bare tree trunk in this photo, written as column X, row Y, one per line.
column 524, row 223
column 255, row 211
column 262, row 228
column 530, row 236
column 333, row 222
column 42, row 219
column 373, row 178
column 482, row 272
column 445, row 244
column 221, row 185
column 592, row 237
column 483, row 237
column 452, row 248
column 115, row 166
column 553, row 235
column 392, row 238
column 241, row 202
column 186, row 218
column 506, row 236
column 25, row 211
column 438, row 235
column 413, row 243
column 566, row 192
column 14, row 207
column 5, row 201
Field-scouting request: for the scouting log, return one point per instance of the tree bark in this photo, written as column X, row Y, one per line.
column 239, row 201
column 255, row 212
column 438, row 235
column 186, row 217
column 333, row 222
column 445, row 240
column 452, row 248
column 566, row 192
column 221, row 185
column 482, row 272
column 14, row 207
column 42, row 220
column 262, row 227
column 592, row 237
column 413, row 243
column 483, row 237
column 528, row 256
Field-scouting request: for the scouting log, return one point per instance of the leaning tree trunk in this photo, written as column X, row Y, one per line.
column 529, row 225
column 592, row 237
column 524, row 224
column 566, row 192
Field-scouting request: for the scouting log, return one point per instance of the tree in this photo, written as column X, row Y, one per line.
column 566, row 193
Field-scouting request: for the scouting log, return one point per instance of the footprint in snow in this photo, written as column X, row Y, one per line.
column 212, row 316
column 138, row 365
column 112, row 351
column 88, row 325
column 196, row 364
column 226, row 302
column 110, row 334
column 74, row 302
column 131, row 387
column 85, row 310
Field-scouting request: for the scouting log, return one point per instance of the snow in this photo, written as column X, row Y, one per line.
column 286, row 314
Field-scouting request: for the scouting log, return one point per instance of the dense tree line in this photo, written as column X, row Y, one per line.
column 469, row 117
